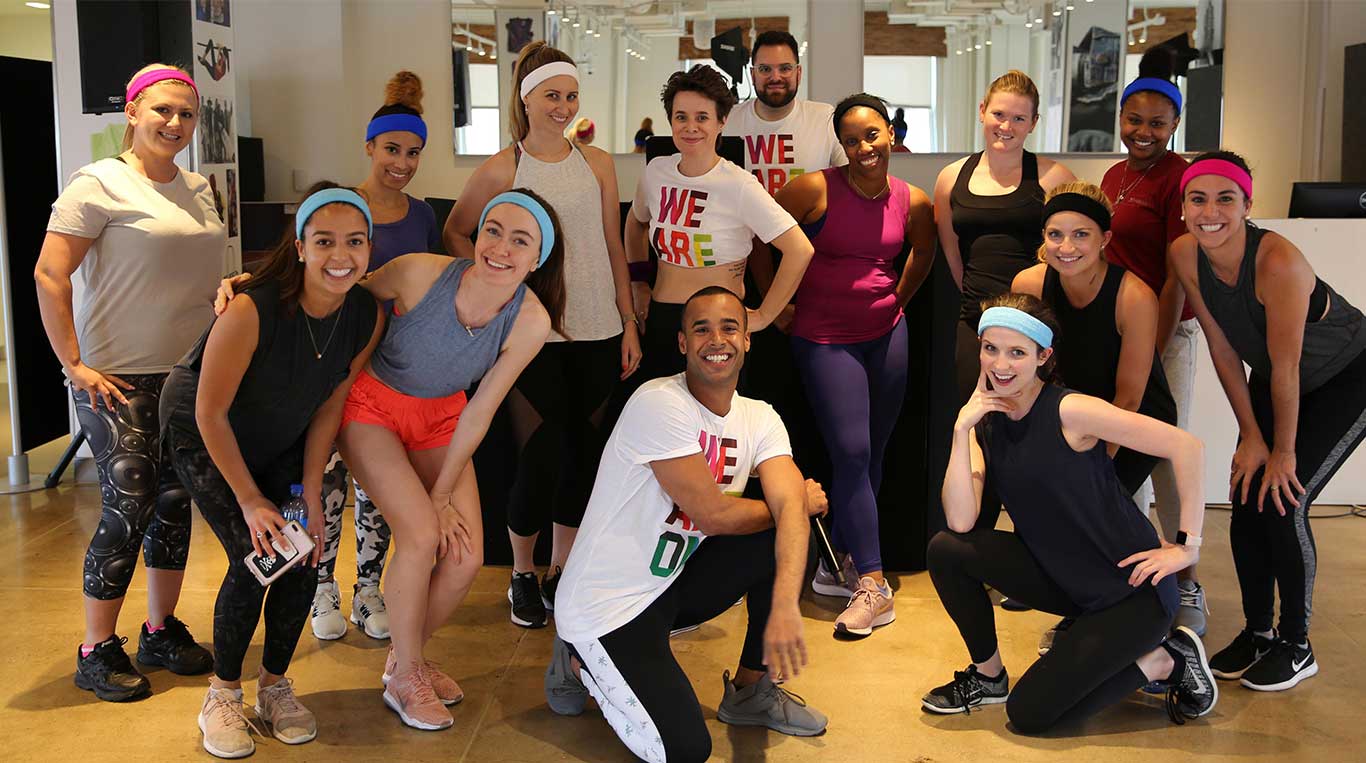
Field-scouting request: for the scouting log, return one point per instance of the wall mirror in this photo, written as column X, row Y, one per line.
column 932, row 58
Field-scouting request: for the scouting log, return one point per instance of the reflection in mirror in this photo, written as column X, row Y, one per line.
column 930, row 59
column 936, row 59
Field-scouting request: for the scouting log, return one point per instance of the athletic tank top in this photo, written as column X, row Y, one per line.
column 1330, row 342
column 297, row 363
column 428, row 352
column 1069, row 508
column 998, row 236
column 571, row 188
column 848, row 293
column 1088, row 346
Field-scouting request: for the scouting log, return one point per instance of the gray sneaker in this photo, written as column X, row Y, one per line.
column 1193, row 608
column 289, row 720
column 768, row 704
column 564, row 692
column 224, row 724
column 825, row 583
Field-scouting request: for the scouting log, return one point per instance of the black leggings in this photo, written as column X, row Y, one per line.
column 238, row 607
column 1276, row 553
column 142, row 501
column 557, row 409
column 1090, row 667
column 659, row 346
column 643, row 692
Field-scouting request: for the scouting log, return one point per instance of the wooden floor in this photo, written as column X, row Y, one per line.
column 870, row 689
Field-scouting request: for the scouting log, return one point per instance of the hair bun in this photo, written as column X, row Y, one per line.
column 1159, row 62
column 404, row 89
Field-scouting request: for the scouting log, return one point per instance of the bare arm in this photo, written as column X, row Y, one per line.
column 491, row 178
column 943, row 220
column 227, row 353
column 636, row 239
column 1169, row 305
column 1053, row 173
column 784, row 647
column 920, row 234
column 689, row 482
column 964, row 481
column 1030, row 280
column 528, row 335
column 1136, row 319
column 1285, row 282
column 605, row 172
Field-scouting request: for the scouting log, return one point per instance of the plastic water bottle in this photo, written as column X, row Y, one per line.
column 296, row 509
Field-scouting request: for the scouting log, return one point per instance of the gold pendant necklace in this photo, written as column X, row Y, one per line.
column 308, row 324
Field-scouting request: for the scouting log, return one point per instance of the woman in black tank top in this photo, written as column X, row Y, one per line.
column 1108, row 316
column 1081, row 547
column 1301, row 410
column 989, row 234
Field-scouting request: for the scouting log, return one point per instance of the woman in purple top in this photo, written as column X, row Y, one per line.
column 848, row 338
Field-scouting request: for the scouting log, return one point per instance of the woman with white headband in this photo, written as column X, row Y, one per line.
column 149, row 245
column 558, row 403
column 1081, row 548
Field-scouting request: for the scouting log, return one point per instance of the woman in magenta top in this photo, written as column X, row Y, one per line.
column 1145, row 189
column 848, row 339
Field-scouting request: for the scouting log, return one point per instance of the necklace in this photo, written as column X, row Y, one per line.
column 308, row 324
column 1124, row 190
column 886, row 185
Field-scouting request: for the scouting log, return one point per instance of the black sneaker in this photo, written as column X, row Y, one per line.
column 549, row 583
column 109, row 673
column 174, row 648
column 1191, row 689
column 524, row 592
column 1244, row 652
column 967, row 690
column 1014, row 605
column 1282, row 668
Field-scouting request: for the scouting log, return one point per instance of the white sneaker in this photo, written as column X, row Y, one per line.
column 224, row 724
column 367, row 611
column 328, row 623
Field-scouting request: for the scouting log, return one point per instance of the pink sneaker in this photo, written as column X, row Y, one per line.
column 410, row 694
column 447, row 690
column 870, row 607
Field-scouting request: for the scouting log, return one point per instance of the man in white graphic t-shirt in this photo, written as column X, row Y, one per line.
column 667, row 542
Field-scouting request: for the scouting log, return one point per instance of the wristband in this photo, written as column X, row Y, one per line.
column 1189, row 541
column 641, row 271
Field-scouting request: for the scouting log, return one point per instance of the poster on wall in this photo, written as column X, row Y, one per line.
column 515, row 29
column 1094, row 91
column 216, row 144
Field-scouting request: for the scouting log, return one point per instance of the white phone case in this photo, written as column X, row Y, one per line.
column 289, row 549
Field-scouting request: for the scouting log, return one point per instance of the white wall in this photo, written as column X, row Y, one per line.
column 26, row 33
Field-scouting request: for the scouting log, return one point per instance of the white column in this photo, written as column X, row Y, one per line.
column 834, row 59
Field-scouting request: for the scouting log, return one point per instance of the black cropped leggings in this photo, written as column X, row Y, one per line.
column 142, row 501
column 557, row 407
column 240, row 597
column 1274, row 553
column 1091, row 665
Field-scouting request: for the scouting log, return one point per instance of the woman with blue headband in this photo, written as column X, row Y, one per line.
column 1145, row 189
column 408, row 433
column 250, row 412
column 1081, row 547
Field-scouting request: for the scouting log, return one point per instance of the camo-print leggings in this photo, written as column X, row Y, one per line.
column 143, row 502
column 372, row 532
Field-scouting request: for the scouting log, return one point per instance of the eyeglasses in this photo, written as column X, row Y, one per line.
column 783, row 69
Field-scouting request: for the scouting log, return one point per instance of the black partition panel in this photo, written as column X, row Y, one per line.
column 28, row 146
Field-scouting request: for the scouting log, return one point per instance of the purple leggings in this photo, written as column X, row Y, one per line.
column 856, row 392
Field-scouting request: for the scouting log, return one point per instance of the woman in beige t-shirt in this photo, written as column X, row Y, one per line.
column 149, row 244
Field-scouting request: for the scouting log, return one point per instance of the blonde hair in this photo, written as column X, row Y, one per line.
column 1081, row 188
column 1017, row 83
column 137, row 99
column 533, row 56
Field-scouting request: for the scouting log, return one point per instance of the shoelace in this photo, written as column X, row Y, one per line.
column 227, row 709
column 113, row 656
column 782, row 695
column 1182, row 691
column 283, row 697
column 372, row 599
column 1193, row 599
column 422, row 691
column 328, row 597
column 967, row 685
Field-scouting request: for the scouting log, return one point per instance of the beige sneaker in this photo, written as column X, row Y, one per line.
column 410, row 694
column 289, row 720
column 224, row 724
column 870, row 607
column 447, row 690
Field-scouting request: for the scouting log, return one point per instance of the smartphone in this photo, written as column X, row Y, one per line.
column 292, row 545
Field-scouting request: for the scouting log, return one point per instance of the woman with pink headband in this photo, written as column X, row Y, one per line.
column 149, row 245
column 1301, row 411
column 558, row 403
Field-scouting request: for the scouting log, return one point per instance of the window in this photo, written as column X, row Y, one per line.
column 482, row 134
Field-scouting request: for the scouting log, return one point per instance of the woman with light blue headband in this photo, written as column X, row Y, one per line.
column 248, row 417
column 408, row 432
column 1081, row 548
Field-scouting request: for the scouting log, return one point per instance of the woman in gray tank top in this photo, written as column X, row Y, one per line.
column 1301, row 411
column 558, row 403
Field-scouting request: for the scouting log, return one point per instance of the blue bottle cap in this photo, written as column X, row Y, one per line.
column 296, row 490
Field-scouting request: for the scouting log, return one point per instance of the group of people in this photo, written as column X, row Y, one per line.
column 353, row 349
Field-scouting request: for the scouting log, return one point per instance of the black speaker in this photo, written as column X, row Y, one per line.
column 1204, row 108
column 251, row 168
column 118, row 37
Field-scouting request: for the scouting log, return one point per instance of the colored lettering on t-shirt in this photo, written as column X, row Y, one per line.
column 719, row 454
column 770, row 149
column 682, row 207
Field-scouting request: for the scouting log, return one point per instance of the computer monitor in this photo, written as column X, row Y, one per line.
column 1328, row 200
